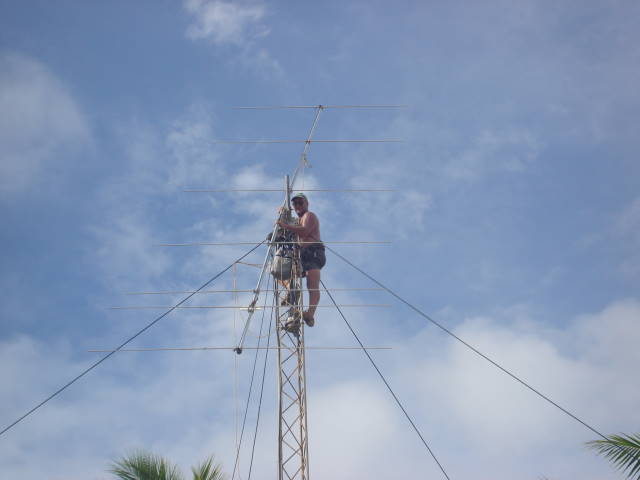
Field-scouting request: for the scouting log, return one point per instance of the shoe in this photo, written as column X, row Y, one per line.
column 292, row 323
column 308, row 319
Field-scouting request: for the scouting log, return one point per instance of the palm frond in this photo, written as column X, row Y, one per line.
column 141, row 465
column 623, row 451
column 207, row 470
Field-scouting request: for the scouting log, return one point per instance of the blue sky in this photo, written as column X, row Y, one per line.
column 515, row 222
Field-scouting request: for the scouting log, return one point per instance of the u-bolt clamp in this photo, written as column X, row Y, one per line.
column 252, row 306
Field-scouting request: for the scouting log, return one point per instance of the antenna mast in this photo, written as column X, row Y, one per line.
column 283, row 257
column 293, row 445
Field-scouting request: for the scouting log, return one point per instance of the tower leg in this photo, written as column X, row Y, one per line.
column 293, row 451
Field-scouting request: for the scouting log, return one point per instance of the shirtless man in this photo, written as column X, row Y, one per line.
column 311, row 251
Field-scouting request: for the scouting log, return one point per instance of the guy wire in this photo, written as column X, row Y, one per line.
column 395, row 397
column 126, row 342
column 468, row 345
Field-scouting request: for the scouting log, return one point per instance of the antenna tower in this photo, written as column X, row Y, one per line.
column 283, row 261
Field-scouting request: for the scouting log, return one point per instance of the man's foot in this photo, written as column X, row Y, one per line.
column 308, row 319
column 292, row 324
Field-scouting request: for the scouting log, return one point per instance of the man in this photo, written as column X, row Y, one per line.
column 312, row 254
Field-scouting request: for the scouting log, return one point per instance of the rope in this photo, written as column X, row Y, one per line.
column 140, row 332
column 469, row 346
column 395, row 397
column 264, row 372
column 246, row 409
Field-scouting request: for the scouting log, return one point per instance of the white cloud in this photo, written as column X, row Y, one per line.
column 383, row 216
column 236, row 24
column 433, row 162
column 511, row 150
column 157, row 166
column 124, row 232
column 128, row 251
column 586, row 367
column 480, row 422
column 627, row 227
column 40, row 120
column 193, row 156
column 224, row 22
column 629, row 219
column 459, row 401
column 130, row 403
column 261, row 60
column 350, row 422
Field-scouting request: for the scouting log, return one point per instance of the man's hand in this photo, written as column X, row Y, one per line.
column 282, row 224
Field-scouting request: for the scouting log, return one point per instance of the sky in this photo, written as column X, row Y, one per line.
column 514, row 221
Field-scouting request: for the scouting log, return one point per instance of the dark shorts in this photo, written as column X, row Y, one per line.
column 312, row 257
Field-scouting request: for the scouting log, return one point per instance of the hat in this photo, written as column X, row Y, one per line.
column 299, row 195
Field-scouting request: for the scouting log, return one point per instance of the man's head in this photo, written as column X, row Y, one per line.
column 300, row 203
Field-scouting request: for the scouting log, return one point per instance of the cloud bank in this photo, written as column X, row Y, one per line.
column 40, row 121
column 224, row 22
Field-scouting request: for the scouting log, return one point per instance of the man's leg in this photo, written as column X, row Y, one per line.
column 313, row 285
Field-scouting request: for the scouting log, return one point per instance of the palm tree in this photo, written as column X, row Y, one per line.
column 141, row 465
column 207, row 471
column 622, row 450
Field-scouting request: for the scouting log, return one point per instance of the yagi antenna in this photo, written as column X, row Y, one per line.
column 179, row 349
column 280, row 190
column 308, row 141
column 304, row 162
column 320, row 107
column 221, row 244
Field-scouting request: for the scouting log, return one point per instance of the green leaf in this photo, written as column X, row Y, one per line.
column 207, row 471
column 623, row 451
column 141, row 465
